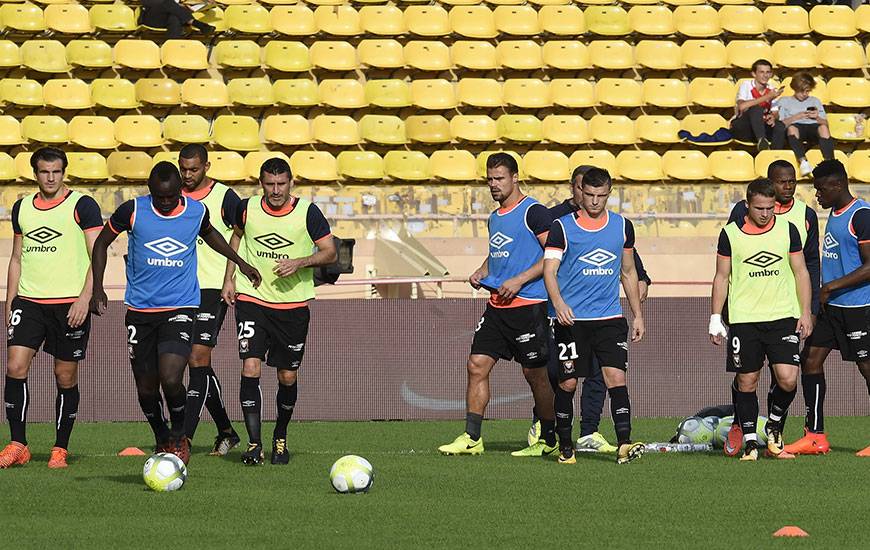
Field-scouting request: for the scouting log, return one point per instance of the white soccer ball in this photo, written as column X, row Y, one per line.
column 351, row 474
column 695, row 430
column 725, row 425
column 164, row 472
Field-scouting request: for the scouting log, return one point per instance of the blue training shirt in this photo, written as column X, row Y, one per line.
column 841, row 252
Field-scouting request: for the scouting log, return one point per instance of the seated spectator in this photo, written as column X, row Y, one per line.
column 172, row 16
column 803, row 121
column 753, row 120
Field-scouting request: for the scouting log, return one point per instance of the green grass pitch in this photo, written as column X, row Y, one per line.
column 421, row 499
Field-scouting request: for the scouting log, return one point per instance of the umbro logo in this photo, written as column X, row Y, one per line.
column 830, row 241
column 273, row 241
column 43, row 234
column 166, row 247
column 499, row 240
column 598, row 257
column 763, row 259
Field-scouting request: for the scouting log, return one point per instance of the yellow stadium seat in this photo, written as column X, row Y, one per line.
column 526, row 93
column 92, row 54
column 288, row 57
column 453, row 165
column 252, row 92
column 240, row 54
column 566, row 129
column 743, row 53
column 10, row 55
column 248, row 19
column 23, row 92
column 841, row 54
column 686, row 165
column 342, row 94
column 480, row 92
column 158, row 91
column 732, row 166
column 360, row 165
column 139, row 131
column 562, row 20
column 833, row 21
column 684, row 2
column 434, row 94
column 68, row 19
column 67, row 93
column 287, row 130
column 764, row 158
column 745, row 20
column 669, row 93
column 859, row 166
column 705, row 54
column 718, row 93
column 165, row 156
column 92, row 132
column 114, row 93
column 699, row 124
column 431, row 129
column 336, row 130
column 10, row 131
column 573, row 93
column 296, row 92
column 296, row 20
column 547, row 166
column 662, row 55
column 477, row 128
column 657, row 128
column 238, row 133
column 333, row 56
column 814, row 156
column 118, row 18
column 862, row 18
column 87, row 166
column 611, row 54
column 22, row 166
column 795, row 54
column 473, row 22
column 186, row 129
column 45, row 56
column 607, row 21
column 314, row 166
column 407, row 165
column 188, row 55
column 213, row 16
column 8, row 170
column 227, row 166
column 475, row 55
column 428, row 55
column 639, row 165
column 697, row 21
column 849, row 92
column 652, row 20
column 787, row 20
column 137, row 54
column 612, row 129
column 45, row 129
column 25, row 18
column 338, row 20
column 520, row 128
column 619, row 92
column 427, row 20
column 129, row 165
column 381, row 53
column 568, row 55
column 546, row 3
column 517, row 20
column 842, row 126
column 382, row 20
column 521, row 55
column 597, row 158
column 205, row 92
column 389, row 94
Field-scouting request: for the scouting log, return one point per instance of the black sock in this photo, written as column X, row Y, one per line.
column 66, row 407
column 535, row 417
column 152, row 408
column 747, row 407
column 284, row 401
column 620, row 410
column 214, row 402
column 736, row 421
column 814, row 388
column 197, row 390
column 175, row 401
column 472, row 425
column 564, row 405
column 252, row 405
column 548, row 432
column 780, row 400
column 17, row 400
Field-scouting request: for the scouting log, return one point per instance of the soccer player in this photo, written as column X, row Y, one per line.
column 162, row 293
column 514, row 324
column 280, row 232
column 782, row 174
column 845, row 296
column 204, row 388
column 768, row 307
column 54, row 228
column 588, row 253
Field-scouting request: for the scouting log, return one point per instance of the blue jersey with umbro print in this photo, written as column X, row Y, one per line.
column 841, row 252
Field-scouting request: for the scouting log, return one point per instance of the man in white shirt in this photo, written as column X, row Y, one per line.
column 753, row 120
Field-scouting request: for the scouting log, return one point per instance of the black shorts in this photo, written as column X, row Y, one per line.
column 514, row 333
column 209, row 318
column 579, row 344
column 33, row 325
column 275, row 335
column 750, row 343
column 151, row 334
column 844, row 328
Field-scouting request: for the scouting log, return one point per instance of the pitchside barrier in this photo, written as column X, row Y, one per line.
column 405, row 359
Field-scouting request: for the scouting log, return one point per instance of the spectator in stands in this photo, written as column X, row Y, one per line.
column 753, row 120
column 172, row 16
column 803, row 121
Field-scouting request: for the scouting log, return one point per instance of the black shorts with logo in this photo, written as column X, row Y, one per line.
column 750, row 343
column 209, row 318
column 275, row 335
column 151, row 334
column 514, row 333
column 844, row 328
column 33, row 325
column 577, row 345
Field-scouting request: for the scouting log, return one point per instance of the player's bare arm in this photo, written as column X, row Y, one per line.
column 511, row 287
column 564, row 314
column 804, row 292
column 13, row 275
column 228, row 292
column 479, row 274
column 99, row 257
column 325, row 255
column 628, row 276
column 717, row 329
column 78, row 310
column 855, row 278
column 217, row 243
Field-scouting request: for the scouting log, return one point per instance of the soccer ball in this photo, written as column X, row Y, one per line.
column 725, row 425
column 351, row 474
column 695, row 430
column 164, row 472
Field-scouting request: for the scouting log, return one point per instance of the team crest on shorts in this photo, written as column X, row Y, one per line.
column 10, row 331
column 736, row 358
column 130, row 351
column 243, row 345
column 568, row 366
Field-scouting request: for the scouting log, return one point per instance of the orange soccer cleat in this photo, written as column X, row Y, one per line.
column 14, row 454
column 734, row 442
column 864, row 452
column 58, row 458
column 810, row 444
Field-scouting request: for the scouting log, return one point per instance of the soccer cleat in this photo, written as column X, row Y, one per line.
column 594, row 442
column 865, row 452
column 750, row 452
column 810, row 444
column 734, row 442
column 253, row 455
column 781, row 456
column 539, row 448
column 534, row 433
column 58, row 458
column 280, row 454
column 463, row 445
column 14, row 454
column 630, row 451
column 775, row 445
column 566, row 456
column 223, row 443
column 180, row 447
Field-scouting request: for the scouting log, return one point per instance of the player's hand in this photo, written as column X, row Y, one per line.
column 251, row 273
column 643, row 290
column 717, row 330
column 475, row 278
column 638, row 329
column 509, row 289
column 805, row 326
column 564, row 314
column 99, row 301
column 824, row 294
column 228, row 292
column 78, row 312
column 285, row 268
column 775, row 93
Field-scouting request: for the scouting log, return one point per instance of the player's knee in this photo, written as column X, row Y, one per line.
column 251, row 368
column 747, row 382
column 17, row 369
column 476, row 367
column 200, row 356
column 569, row 385
column 66, row 379
column 287, row 377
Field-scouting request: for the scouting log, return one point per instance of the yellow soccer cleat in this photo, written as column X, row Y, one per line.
column 566, row 456
column 538, row 448
column 750, row 452
column 630, row 451
column 463, row 445
column 775, row 444
column 534, row 433
column 594, row 442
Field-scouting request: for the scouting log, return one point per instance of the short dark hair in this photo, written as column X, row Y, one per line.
column 164, row 172
column 779, row 164
column 831, row 169
column 760, row 186
column 759, row 62
column 194, row 150
column 580, row 171
column 597, row 177
column 802, row 80
column 48, row 154
column 502, row 159
column 275, row 166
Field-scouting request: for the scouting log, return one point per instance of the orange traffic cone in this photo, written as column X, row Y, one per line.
column 131, row 451
column 791, row 531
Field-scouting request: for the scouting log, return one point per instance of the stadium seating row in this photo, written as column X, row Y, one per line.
column 448, row 165
column 449, row 2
